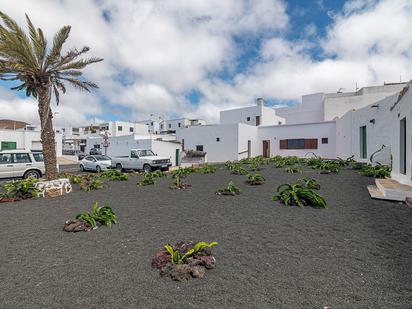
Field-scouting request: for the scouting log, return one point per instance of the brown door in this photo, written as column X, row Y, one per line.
column 266, row 149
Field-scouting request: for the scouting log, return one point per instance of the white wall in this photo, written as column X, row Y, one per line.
column 309, row 130
column 309, row 111
column 247, row 115
column 225, row 149
column 377, row 122
column 246, row 133
column 166, row 149
column 28, row 139
column 401, row 110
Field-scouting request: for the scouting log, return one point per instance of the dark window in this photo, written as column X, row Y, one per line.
column 119, row 128
column 161, row 126
column 248, row 119
column 151, row 123
column 363, row 143
column 38, row 157
column 131, row 129
column 257, row 120
column 178, row 124
column 199, row 147
column 299, row 143
column 170, row 126
column 325, row 140
column 8, row 145
column 217, row 139
column 21, row 158
column 402, row 144
column 5, row 158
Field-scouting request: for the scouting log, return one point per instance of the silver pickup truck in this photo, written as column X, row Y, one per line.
column 141, row 159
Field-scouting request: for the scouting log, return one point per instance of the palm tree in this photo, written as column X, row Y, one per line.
column 43, row 72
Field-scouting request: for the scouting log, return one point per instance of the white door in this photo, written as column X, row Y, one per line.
column 6, row 165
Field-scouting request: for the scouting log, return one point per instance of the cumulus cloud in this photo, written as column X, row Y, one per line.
column 156, row 51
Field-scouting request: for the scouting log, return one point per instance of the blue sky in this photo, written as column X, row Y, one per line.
column 194, row 58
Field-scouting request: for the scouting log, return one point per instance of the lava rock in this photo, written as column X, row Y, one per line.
column 198, row 271
column 76, row 226
column 181, row 272
column 207, row 261
column 161, row 259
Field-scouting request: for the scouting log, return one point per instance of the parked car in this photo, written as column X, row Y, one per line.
column 21, row 164
column 95, row 151
column 95, row 163
column 141, row 159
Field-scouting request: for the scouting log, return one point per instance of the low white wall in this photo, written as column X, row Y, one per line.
column 28, row 139
column 166, row 149
column 311, row 130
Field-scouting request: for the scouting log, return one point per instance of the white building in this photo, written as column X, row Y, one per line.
column 162, row 145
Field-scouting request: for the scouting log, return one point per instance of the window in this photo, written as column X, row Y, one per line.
column 5, row 158
column 119, row 128
column 299, row 143
column 257, row 120
column 199, row 147
column 170, row 126
column 402, row 144
column 363, row 143
column 325, row 140
column 217, row 139
column 21, row 158
column 161, row 126
column 151, row 123
column 178, row 124
column 131, row 129
column 8, row 145
column 248, row 119
column 38, row 157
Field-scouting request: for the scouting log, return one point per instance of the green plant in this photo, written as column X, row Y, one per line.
column 76, row 179
column 231, row 189
column 114, row 175
column 309, row 183
column 181, row 257
column 147, row 179
column 293, row 169
column 376, row 171
column 238, row 169
column 256, row 179
column 254, row 165
column 89, row 183
column 21, row 189
column 158, row 174
column 296, row 194
column 103, row 215
column 347, row 161
column 207, row 169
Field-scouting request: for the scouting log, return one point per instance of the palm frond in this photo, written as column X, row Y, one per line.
column 38, row 41
column 58, row 41
column 79, row 84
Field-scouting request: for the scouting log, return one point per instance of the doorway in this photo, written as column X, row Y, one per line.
column 402, row 147
column 266, row 148
column 249, row 148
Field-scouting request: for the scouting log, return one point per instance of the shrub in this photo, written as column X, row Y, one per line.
column 309, row 183
column 236, row 168
column 158, row 174
column 376, row 171
column 296, row 194
column 178, row 175
column 347, row 161
column 21, row 189
column 254, row 165
column 89, row 183
column 181, row 256
column 231, row 189
column 207, row 169
column 114, row 175
column 103, row 215
column 293, row 169
column 147, row 179
column 256, row 179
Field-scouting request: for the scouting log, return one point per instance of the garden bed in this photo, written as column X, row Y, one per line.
column 354, row 254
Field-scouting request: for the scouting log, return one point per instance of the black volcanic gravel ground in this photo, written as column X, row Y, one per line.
column 355, row 254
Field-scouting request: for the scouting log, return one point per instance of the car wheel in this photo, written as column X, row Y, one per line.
column 32, row 174
column 119, row 167
column 98, row 169
column 147, row 168
column 81, row 168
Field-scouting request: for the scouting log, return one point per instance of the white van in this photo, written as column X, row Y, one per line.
column 21, row 164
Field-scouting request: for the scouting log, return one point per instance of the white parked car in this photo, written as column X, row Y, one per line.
column 141, row 159
column 21, row 164
column 95, row 163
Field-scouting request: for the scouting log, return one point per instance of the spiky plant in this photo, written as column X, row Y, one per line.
column 309, row 183
column 147, row 179
column 256, row 179
column 207, row 169
column 42, row 71
column 231, row 189
column 293, row 169
column 296, row 194
column 376, row 171
column 101, row 214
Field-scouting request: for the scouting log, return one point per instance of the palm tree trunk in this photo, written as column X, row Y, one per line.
column 47, row 133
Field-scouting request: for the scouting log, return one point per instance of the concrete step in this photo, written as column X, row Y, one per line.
column 375, row 193
column 393, row 190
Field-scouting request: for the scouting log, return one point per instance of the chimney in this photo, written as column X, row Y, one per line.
column 260, row 102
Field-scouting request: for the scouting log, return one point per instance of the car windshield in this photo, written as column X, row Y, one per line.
column 38, row 156
column 145, row 153
column 102, row 158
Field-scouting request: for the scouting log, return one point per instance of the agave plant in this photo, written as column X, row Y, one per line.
column 293, row 169
column 89, row 183
column 238, row 169
column 158, row 174
column 147, row 179
column 21, row 189
column 231, row 189
column 309, row 183
column 114, row 175
column 256, row 179
column 103, row 215
column 376, row 171
column 296, row 194
column 178, row 257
